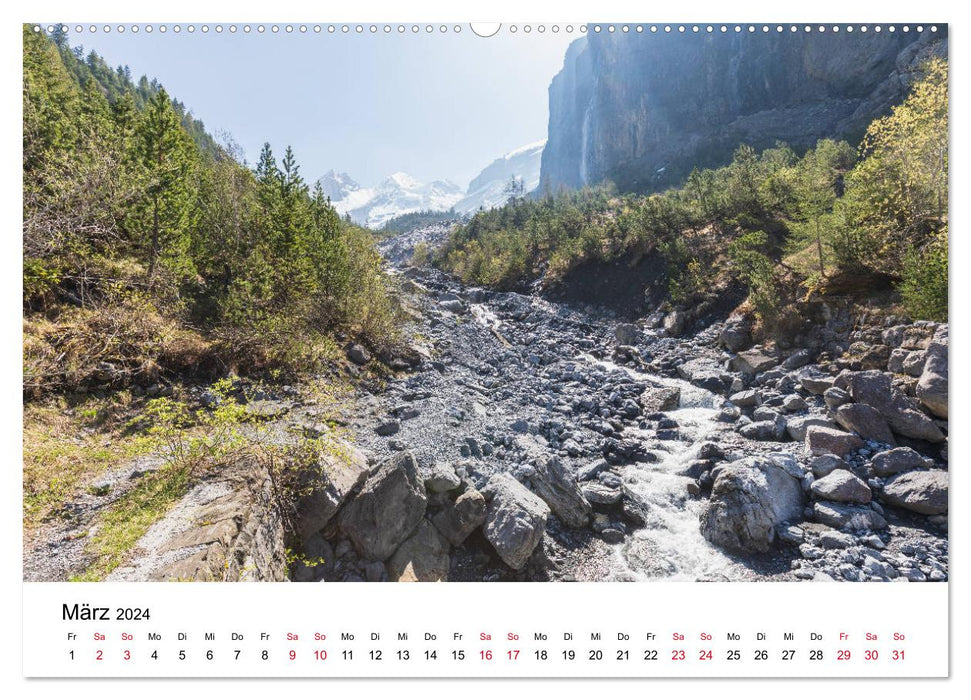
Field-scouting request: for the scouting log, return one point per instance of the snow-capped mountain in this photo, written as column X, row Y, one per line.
column 399, row 193
column 490, row 187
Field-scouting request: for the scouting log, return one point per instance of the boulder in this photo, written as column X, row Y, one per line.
column 827, row 464
column 704, row 373
column 384, row 513
column 834, row 397
column 874, row 388
column 389, row 427
column 821, row 440
column 325, row 486
column 515, row 519
column 656, row 399
column 674, row 322
column 626, row 334
column 865, row 421
column 899, row 459
column 797, row 427
column 765, row 430
column 600, row 494
column 421, row 557
column 458, row 520
column 918, row 491
column 815, row 383
column 754, row 361
column 555, row 485
column 932, row 386
column 358, row 354
column 750, row 499
column 845, row 516
column 746, row 398
column 736, row 335
column 800, row 358
column 842, row 486
column 440, row 477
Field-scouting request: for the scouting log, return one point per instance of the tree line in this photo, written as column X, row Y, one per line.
column 132, row 211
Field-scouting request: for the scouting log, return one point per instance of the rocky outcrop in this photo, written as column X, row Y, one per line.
column 932, row 387
column 642, row 110
column 390, row 504
column 749, row 500
column 323, row 489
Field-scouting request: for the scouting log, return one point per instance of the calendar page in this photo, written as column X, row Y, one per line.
column 437, row 349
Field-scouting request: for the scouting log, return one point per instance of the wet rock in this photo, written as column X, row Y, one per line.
column 922, row 492
column 874, row 388
column 932, row 387
column 842, row 486
column 865, row 421
column 822, row 440
column 704, row 373
column 754, row 361
column 454, row 305
column 421, row 557
column 515, row 519
column 555, row 485
column 750, row 499
column 458, row 520
column 358, row 354
column 390, row 504
column 599, row 494
column 844, row 516
column 326, row 486
column 660, row 398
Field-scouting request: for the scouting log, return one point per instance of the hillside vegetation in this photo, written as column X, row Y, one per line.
column 836, row 219
column 152, row 251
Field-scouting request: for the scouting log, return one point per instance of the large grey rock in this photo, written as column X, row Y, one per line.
column 703, row 372
column 626, row 334
column 827, row 464
column 750, row 498
column 814, row 382
column 899, row 459
column 386, row 510
column 765, row 430
column 745, row 398
column 515, row 519
column 655, row 399
column 874, row 388
column 865, row 421
column 754, row 361
column 458, row 520
column 845, row 516
column 558, row 487
column 421, row 557
column 325, row 486
column 440, row 477
column 737, row 334
column 919, row 491
column 358, row 354
column 797, row 427
column 842, row 486
column 932, row 386
column 821, row 440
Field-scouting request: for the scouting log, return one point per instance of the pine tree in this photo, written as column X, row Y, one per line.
column 165, row 155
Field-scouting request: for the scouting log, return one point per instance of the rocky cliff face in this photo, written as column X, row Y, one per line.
column 642, row 110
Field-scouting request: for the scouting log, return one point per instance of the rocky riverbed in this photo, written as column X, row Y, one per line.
column 520, row 439
column 537, row 441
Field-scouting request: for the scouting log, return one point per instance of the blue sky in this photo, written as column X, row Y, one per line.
column 433, row 105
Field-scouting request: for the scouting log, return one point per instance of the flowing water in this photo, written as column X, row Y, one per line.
column 670, row 545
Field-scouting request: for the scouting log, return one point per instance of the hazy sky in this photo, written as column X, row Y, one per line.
column 432, row 105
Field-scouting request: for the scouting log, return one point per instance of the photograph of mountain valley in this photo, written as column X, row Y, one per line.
column 387, row 303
